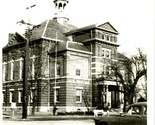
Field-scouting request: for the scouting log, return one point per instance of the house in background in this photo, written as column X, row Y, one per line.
column 64, row 62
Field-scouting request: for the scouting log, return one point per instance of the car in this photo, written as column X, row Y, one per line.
column 136, row 115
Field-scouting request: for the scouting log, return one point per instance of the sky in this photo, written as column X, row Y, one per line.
column 133, row 19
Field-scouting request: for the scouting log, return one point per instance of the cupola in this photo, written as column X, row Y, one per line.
column 60, row 15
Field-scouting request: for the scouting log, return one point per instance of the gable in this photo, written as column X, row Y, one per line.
column 107, row 26
column 15, row 39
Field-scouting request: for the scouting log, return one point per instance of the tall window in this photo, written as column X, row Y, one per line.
column 4, row 71
column 78, row 69
column 103, row 53
column 16, row 69
column 77, row 72
column 57, row 95
column 108, row 38
column 33, row 68
column 12, row 96
column 20, row 94
column 12, row 69
column 58, row 69
column 33, row 63
column 3, row 96
column 21, row 68
column 115, row 39
column 78, row 95
column 102, row 36
column 106, row 53
column 32, row 93
column 111, row 38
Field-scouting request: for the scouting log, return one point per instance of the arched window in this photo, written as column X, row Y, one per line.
column 64, row 5
column 60, row 7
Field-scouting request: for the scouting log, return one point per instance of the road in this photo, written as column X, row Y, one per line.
column 60, row 122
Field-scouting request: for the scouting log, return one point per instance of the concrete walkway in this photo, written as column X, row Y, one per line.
column 39, row 116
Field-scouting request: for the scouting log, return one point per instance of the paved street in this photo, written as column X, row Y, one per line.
column 60, row 122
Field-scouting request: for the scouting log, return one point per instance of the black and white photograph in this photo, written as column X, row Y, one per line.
column 77, row 62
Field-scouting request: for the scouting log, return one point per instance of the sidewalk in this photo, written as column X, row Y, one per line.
column 39, row 116
column 45, row 116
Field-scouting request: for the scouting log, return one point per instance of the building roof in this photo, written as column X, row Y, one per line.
column 52, row 30
column 15, row 39
column 122, row 57
column 72, row 46
column 104, row 26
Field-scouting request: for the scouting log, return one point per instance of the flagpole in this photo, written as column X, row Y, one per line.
column 55, row 98
column 55, row 70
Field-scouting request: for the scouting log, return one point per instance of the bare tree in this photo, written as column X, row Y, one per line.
column 86, row 98
column 36, row 74
column 134, row 69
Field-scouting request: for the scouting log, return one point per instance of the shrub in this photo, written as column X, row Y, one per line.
column 89, row 113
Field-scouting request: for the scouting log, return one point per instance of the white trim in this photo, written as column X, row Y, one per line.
column 33, row 57
column 45, row 28
column 105, row 53
column 11, row 89
column 79, row 87
column 20, row 89
column 79, row 93
column 57, row 87
column 12, row 68
column 110, row 82
column 79, row 51
column 99, row 63
column 10, row 96
column 75, row 42
column 19, row 96
column 4, row 71
column 3, row 92
column 96, row 57
column 105, row 41
column 51, row 39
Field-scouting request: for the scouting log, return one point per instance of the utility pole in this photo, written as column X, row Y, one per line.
column 26, row 68
column 25, row 78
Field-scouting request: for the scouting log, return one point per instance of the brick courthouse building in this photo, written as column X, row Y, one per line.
column 64, row 62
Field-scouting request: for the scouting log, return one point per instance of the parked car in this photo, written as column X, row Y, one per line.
column 135, row 115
